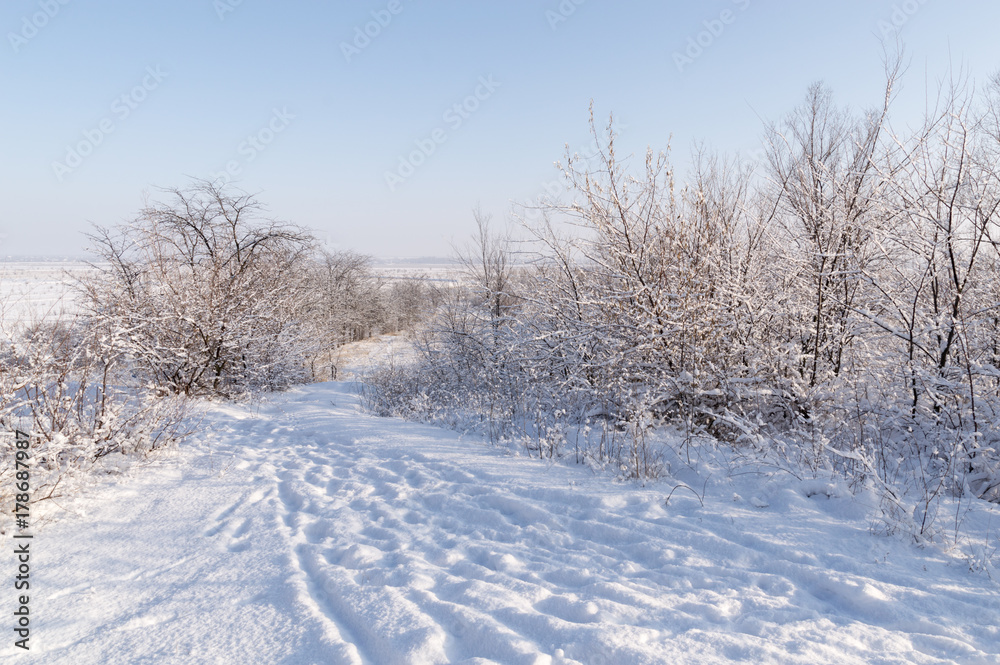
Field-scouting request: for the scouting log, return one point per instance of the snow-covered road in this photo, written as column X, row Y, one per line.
column 308, row 532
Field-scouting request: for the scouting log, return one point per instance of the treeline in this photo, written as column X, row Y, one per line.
column 834, row 308
column 201, row 295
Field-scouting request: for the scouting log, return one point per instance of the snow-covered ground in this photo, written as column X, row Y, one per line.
column 31, row 290
column 356, row 359
column 303, row 531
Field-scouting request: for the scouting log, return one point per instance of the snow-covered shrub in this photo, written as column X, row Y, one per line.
column 204, row 294
column 67, row 385
column 833, row 309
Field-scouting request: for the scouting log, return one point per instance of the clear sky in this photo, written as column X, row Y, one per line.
column 106, row 100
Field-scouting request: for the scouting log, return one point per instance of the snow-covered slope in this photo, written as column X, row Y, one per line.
column 304, row 531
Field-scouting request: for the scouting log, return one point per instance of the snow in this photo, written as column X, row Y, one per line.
column 301, row 530
column 32, row 290
column 355, row 359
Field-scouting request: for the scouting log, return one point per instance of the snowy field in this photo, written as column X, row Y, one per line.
column 301, row 530
column 441, row 271
column 37, row 289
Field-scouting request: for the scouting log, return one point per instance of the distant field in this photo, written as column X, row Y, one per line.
column 31, row 290
column 42, row 289
column 448, row 273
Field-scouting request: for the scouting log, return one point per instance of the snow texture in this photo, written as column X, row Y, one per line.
column 304, row 531
column 38, row 290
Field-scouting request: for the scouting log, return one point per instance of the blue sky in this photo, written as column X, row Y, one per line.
column 157, row 92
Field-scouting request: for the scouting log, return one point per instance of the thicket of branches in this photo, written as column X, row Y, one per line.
column 67, row 384
column 346, row 301
column 203, row 294
column 835, row 306
column 209, row 297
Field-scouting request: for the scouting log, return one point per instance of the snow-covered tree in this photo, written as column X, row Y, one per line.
column 204, row 292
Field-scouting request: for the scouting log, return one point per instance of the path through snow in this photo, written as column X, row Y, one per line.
column 313, row 533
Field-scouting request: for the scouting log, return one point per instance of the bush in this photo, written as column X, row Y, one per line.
column 65, row 383
column 834, row 309
column 204, row 295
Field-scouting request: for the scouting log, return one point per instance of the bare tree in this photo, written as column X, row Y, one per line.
column 822, row 162
column 488, row 262
column 205, row 291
